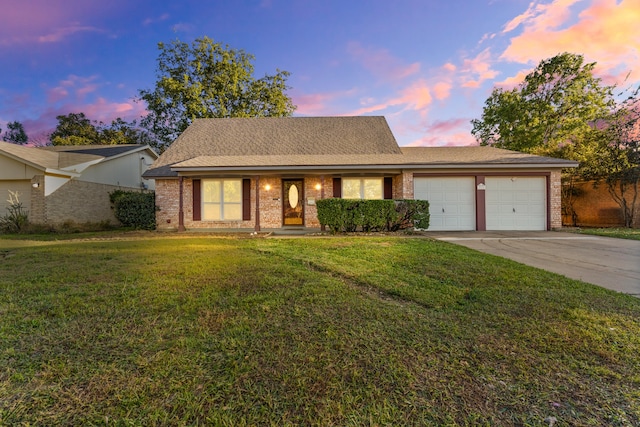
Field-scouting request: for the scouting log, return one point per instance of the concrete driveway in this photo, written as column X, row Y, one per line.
column 604, row 261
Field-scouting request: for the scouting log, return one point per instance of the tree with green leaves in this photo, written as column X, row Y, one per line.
column 77, row 129
column 74, row 129
column 206, row 80
column 15, row 133
column 615, row 155
column 553, row 106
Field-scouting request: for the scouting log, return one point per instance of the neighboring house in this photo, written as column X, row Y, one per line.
column 267, row 173
column 72, row 183
column 595, row 207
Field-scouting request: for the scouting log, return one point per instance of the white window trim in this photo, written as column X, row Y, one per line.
column 221, row 203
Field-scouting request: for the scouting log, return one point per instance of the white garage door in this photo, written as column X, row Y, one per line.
column 452, row 202
column 516, row 203
column 23, row 187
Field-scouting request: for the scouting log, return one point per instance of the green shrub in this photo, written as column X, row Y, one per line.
column 135, row 208
column 345, row 215
column 411, row 214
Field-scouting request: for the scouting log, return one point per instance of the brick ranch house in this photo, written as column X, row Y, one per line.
column 267, row 173
column 59, row 184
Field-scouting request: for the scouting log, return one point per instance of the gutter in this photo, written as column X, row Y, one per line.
column 187, row 170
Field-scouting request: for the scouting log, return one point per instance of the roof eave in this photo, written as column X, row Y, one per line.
column 201, row 169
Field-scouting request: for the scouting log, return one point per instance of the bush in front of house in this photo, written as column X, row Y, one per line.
column 136, row 209
column 347, row 215
column 411, row 214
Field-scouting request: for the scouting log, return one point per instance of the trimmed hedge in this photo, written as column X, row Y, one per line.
column 135, row 208
column 348, row 215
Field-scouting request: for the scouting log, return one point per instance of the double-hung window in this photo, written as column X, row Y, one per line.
column 221, row 199
column 362, row 188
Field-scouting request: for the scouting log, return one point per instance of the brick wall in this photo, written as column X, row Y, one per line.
column 596, row 208
column 168, row 196
column 37, row 208
column 403, row 186
column 80, row 202
column 555, row 200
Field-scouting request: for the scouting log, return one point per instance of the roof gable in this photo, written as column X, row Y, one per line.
column 278, row 136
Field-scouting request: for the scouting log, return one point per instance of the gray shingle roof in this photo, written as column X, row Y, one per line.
column 45, row 159
column 278, row 136
column 322, row 142
column 97, row 150
column 410, row 157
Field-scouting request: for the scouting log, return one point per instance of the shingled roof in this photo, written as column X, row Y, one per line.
column 317, row 143
column 106, row 151
column 45, row 159
column 277, row 136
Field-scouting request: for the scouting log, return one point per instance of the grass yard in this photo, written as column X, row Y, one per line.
column 619, row 233
column 306, row 331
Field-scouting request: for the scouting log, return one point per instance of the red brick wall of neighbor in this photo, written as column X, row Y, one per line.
column 596, row 208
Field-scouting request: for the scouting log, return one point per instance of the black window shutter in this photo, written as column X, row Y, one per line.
column 388, row 187
column 337, row 188
column 197, row 198
column 246, row 199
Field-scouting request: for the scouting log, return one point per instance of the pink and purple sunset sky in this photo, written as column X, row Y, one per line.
column 426, row 65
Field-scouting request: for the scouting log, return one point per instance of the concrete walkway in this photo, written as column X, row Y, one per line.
column 603, row 261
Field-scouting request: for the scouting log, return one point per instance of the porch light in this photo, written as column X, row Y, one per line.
column 35, row 185
column 318, row 186
column 267, row 187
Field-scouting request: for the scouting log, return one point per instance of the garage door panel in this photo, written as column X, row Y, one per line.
column 516, row 203
column 451, row 201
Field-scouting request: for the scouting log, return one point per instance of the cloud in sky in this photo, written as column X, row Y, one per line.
column 454, row 132
column 59, row 34
column 606, row 31
column 154, row 20
column 476, row 70
column 46, row 21
column 381, row 63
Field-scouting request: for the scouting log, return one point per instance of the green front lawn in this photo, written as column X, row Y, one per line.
column 306, row 331
column 619, row 233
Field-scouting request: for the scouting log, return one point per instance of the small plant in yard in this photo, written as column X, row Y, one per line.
column 17, row 217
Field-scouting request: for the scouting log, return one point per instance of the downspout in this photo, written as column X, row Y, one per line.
column 257, row 227
column 180, row 207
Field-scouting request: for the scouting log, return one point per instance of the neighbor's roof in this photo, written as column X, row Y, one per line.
column 325, row 143
column 277, row 136
column 65, row 158
column 45, row 159
column 105, row 151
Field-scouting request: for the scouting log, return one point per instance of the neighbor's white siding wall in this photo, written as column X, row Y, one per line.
column 23, row 187
column 12, row 169
column 125, row 171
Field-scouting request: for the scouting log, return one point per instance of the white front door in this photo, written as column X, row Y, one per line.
column 452, row 202
column 516, row 203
